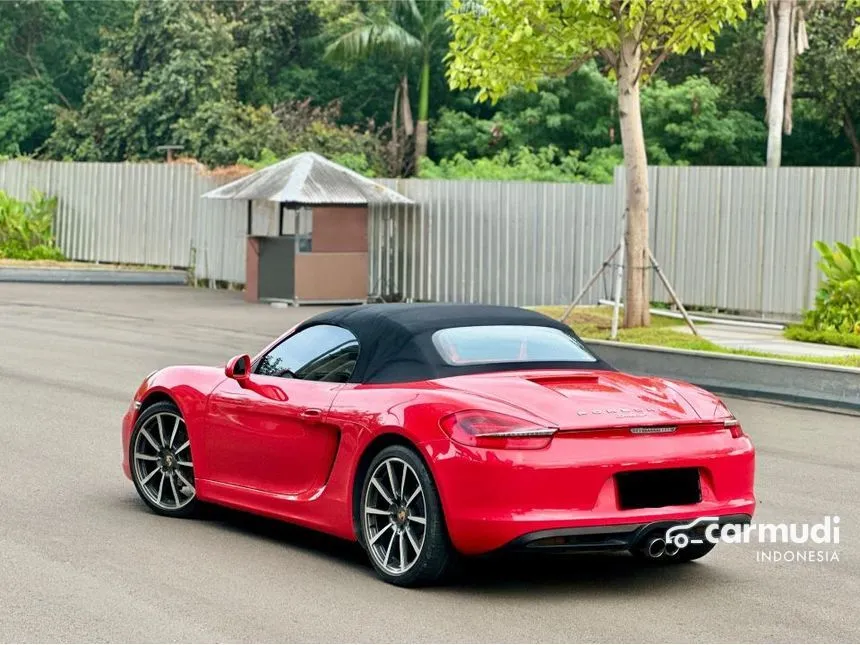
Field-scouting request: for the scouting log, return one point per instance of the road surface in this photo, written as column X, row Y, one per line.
column 82, row 559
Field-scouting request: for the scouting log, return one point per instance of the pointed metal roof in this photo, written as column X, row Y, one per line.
column 308, row 179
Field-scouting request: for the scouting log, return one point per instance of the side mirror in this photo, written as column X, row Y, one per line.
column 239, row 369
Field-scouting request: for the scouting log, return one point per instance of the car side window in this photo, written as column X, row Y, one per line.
column 319, row 353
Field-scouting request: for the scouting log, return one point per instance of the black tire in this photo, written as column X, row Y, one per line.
column 183, row 508
column 436, row 553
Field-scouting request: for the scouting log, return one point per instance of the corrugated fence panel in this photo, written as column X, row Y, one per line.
column 495, row 242
column 729, row 238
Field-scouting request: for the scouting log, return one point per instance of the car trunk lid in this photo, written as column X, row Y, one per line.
column 583, row 400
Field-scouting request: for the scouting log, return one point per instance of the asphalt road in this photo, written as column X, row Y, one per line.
column 82, row 559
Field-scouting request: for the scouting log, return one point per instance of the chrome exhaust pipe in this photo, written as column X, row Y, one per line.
column 671, row 548
column 655, row 547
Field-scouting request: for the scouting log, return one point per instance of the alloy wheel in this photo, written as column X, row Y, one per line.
column 395, row 516
column 162, row 461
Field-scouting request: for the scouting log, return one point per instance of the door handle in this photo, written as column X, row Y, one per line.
column 311, row 413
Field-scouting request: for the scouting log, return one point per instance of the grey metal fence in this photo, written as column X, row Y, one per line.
column 728, row 237
column 733, row 238
column 513, row 243
column 741, row 238
column 142, row 214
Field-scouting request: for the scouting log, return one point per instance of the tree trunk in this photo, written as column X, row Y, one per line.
column 636, row 264
column 423, row 113
column 776, row 103
column 395, row 139
column 851, row 133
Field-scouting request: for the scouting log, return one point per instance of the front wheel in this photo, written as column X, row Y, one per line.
column 402, row 526
column 162, row 468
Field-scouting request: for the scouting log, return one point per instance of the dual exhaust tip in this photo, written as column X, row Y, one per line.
column 656, row 547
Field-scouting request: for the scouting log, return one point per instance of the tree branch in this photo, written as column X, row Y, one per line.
column 657, row 62
column 610, row 57
column 38, row 75
column 575, row 64
column 665, row 49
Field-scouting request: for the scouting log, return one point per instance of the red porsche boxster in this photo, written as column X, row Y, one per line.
column 425, row 431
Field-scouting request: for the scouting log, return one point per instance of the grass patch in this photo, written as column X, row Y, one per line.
column 595, row 323
column 71, row 264
column 798, row 332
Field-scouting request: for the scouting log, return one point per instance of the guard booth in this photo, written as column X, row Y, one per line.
column 326, row 264
column 320, row 255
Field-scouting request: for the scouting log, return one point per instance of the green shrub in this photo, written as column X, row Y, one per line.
column 837, row 303
column 525, row 164
column 801, row 333
column 26, row 228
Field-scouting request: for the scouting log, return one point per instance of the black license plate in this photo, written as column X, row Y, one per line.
column 656, row 488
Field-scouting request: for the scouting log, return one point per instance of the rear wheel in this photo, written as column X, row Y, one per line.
column 402, row 526
column 162, row 468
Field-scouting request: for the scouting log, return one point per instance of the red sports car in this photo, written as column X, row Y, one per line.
column 425, row 431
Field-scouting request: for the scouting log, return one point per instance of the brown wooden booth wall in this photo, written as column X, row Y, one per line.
column 335, row 270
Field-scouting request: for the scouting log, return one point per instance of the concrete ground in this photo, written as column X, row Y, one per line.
column 82, row 559
column 765, row 340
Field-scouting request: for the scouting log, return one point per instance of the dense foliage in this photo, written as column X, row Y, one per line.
column 250, row 80
column 25, row 228
column 686, row 123
column 837, row 304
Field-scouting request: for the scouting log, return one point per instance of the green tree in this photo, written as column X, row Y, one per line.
column 573, row 113
column 269, row 36
column 406, row 29
column 498, row 44
column 829, row 74
column 689, row 123
column 176, row 59
column 524, row 164
column 684, row 123
column 46, row 49
column 853, row 41
column 817, row 138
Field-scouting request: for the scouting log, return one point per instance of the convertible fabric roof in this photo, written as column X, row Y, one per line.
column 395, row 340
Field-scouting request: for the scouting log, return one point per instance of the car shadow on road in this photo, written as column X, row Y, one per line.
column 500, row 573
column 292, row 535
column 610, row 573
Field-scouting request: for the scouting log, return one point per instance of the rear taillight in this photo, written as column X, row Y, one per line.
column 734, row 427
column 484, row 429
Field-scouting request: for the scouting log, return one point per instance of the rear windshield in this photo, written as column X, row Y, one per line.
column 508, row 344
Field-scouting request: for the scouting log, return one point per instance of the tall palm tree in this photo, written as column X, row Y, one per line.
column 407, row 29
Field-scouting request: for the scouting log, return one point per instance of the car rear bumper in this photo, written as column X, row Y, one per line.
column 622, row 537
column 496, row 498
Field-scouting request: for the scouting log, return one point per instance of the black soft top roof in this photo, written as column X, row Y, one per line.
column 395, row 340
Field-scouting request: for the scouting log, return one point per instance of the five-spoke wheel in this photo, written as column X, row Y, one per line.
column 401, row 519
column 161, row 462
